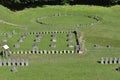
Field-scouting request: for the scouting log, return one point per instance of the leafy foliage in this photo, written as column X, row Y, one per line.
column 61, row 1
column 21, row 4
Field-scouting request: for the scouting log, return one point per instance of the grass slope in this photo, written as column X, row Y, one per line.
column 67, row 66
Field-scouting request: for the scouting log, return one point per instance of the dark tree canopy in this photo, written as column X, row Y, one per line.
column 16, row 4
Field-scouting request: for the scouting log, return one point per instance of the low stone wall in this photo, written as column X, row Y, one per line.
column 96, row 18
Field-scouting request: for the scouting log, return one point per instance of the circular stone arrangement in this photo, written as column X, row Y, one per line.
column 43, row 20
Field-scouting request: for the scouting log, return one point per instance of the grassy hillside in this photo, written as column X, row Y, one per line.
column 67, row 66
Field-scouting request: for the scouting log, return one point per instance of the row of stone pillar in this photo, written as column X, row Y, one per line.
column 110, row 60
column 48, row 32
column 43, row 52
column 14, row 62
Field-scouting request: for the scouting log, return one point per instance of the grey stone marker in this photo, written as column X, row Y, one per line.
column 16, row 45
column 53, row 45
column 53, row 39
column 37, row 40
column 0, row 62
column 14, row 69
column 115, row 60
column 8, row 35
column 69, row 35
column 0, row 45
column 39, row 36
column 56, row 14
column 102, row 60
column 53, row 35
column 20, row 40
column 23, row 36
column 34, row 45
column 70, row 45
column 108, row 46
column 4, row 40
column 96, row 45
column 13, row 32
column 70, row 40
column 111, row 61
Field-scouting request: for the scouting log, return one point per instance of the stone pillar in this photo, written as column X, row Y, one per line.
column 18, row 62
column 68, row 51
column 33, row 51
column 37, row 51
column 72, row 51
column 13, row 62
column 26, row 63
column 57, row 51
column 14, row 52
column 60, row 52
column 45, row 52
column 118, row 60
column 25, row 52
column 111, row 61
column 10, row 52
column 115, row 60
column 41, row 52
column 53, row 51
column 9, row 62
column 102, row 60
column 17, row 52
column 106, row 60
column 4, row 62
column 29, row 52
column 21, row 52
column 0, row 62
column 22, row 62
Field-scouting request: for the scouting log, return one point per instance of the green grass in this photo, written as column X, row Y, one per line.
column 67, row 66
column 44, row 44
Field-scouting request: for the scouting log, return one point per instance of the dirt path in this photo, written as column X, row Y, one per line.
column 8, row 23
